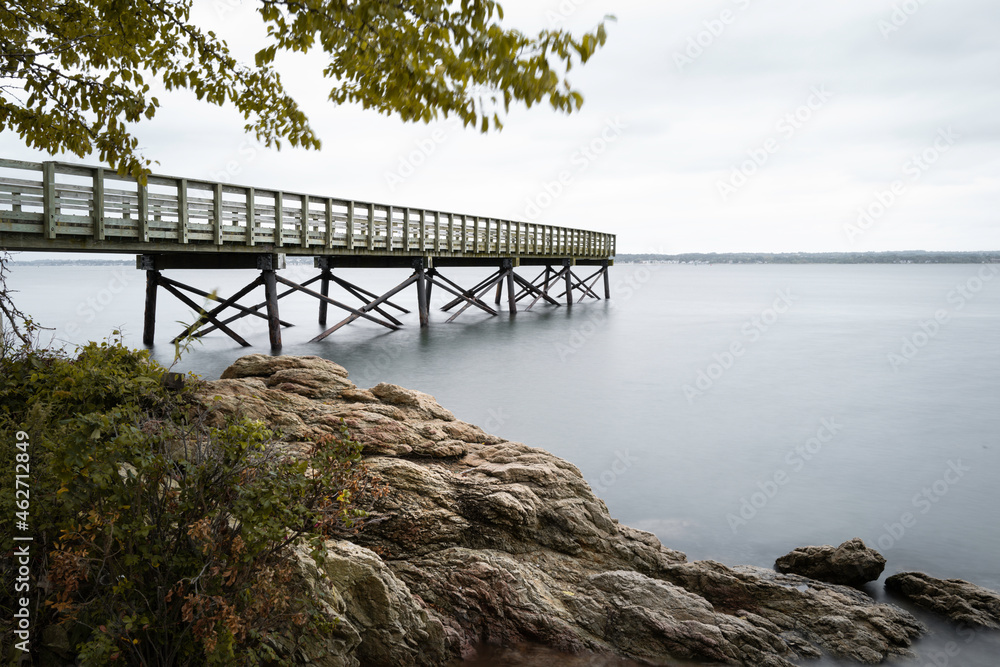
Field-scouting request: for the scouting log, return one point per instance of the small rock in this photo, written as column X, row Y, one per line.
column 850, row 564
column 261, row 365
column 955, row 599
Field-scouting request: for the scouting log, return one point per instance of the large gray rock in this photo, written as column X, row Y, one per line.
column 850, row 564
column 955, row 599
column 483, row 541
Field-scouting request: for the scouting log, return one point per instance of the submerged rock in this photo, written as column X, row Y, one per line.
column 850, row 564
column 955, row 599
column 483, row 541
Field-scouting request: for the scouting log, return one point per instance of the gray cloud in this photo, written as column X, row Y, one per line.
column 685, row 129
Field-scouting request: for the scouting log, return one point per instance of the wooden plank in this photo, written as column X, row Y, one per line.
column 20, row 227
column 20, row 164
column 97, row 204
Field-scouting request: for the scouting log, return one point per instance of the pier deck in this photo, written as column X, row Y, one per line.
column 175, row 223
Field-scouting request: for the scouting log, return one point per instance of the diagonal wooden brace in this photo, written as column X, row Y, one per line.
column 210, row 317
column 333, row 302
column 368, row 306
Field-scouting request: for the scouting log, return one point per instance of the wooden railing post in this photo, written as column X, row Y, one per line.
column 371, row 226
column 182, row 210
column 423, row 231
column 98, row 204
column 304, row 232
column 217, row 212
column 329, row 224
column 437, row 231
column 406, row 229
column 143, row 193
column 388, row 228
column 279, row 205
column 49, row 203
column 350, row 225
column 251, row 218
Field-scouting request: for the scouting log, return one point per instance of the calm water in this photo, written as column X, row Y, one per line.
column 735, row 411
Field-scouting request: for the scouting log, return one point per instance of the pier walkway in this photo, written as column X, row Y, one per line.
column 182, row 223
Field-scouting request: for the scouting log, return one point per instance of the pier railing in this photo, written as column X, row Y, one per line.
column 60, row 206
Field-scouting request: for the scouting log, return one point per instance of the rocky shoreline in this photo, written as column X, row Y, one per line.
column 489, row 542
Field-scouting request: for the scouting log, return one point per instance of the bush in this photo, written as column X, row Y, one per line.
column 159, row 540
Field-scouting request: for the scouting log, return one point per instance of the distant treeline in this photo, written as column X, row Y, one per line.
column 895, row 257
column 114, row 262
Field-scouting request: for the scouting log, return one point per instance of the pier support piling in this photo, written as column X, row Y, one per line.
column 373, row 308
column 422, row 300
column 569, row 282
column 270, row 279
column 149, row 314
column 508, row 267
column 324, row 289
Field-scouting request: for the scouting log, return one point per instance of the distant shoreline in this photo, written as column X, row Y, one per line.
column 893, row 257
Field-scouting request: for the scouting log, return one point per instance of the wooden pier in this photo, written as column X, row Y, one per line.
column 180, row 223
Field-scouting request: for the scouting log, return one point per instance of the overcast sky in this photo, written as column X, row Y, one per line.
column 733, row 125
